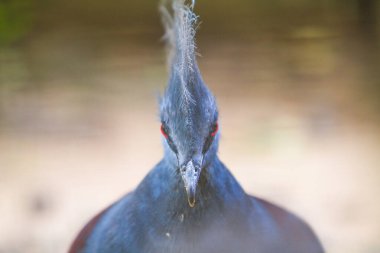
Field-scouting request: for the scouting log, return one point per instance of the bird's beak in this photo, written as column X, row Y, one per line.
column 190, row 176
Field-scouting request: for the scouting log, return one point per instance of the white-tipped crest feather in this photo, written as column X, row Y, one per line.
column 181, row 48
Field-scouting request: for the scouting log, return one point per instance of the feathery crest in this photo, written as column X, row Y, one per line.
column 180, row 38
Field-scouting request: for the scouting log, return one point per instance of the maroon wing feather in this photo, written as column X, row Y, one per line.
column 80, row 240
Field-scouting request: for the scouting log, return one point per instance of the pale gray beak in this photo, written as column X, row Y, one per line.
column 190, row 176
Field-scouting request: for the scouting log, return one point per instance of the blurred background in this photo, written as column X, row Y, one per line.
column 298, row 87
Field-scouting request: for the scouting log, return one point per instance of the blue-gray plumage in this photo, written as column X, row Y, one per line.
column 190, row 202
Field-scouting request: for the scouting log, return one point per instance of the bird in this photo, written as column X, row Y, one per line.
column 190, row 202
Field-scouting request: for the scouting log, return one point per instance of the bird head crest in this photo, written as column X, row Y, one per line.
column 186, row 88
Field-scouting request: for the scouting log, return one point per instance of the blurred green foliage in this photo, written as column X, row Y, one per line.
column 15, row 20
column 63, row 37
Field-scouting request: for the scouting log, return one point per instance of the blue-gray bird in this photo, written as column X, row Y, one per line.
column 190, row 202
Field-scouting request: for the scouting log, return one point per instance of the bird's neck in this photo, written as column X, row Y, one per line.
column 217, row 191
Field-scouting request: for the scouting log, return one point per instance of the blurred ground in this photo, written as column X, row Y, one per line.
column 297, row 84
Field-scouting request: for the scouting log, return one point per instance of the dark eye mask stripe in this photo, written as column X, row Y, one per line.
column 165, row 133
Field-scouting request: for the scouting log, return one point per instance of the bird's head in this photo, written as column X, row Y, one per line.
column 188, row 110
column 190, row 132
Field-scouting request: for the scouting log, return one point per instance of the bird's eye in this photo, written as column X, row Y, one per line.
column 210, row 138
column 164, row 131
column 214, row 130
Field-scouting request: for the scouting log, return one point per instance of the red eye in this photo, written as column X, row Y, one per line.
column 214, row 130
column 163, row 131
